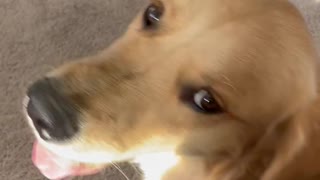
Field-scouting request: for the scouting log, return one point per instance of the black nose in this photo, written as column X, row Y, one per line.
column 52, row 114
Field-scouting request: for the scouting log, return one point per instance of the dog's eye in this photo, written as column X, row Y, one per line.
column 206, row 102
column 201, row 100
column 152, row 16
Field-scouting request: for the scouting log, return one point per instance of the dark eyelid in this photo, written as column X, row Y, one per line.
column 187, row 92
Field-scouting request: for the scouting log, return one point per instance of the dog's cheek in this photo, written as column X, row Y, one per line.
column 226, row 140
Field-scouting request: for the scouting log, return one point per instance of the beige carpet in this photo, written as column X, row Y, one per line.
column 35, row 36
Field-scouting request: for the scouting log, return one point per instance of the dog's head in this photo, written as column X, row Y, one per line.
column 196, row 78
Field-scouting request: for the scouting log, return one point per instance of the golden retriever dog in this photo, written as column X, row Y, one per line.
column 193, row 90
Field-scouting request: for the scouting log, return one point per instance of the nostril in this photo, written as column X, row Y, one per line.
column 42, row 128
column 35, row 115
column 41, row 124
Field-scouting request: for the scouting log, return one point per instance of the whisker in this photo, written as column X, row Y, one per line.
column 119, row 169
column 136, row 170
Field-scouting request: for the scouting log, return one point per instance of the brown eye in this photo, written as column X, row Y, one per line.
column 201, row 100
column 204, row 100
column 152, row 16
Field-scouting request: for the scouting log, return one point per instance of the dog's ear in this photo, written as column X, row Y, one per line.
column 297, row 152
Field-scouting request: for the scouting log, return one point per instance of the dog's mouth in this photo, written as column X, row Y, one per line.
column 54, row 166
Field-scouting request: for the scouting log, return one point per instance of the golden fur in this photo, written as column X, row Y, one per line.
column 258, row 58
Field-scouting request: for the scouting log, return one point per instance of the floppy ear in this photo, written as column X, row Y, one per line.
column 297, row 152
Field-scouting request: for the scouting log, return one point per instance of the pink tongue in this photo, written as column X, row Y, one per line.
column 55, row 167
